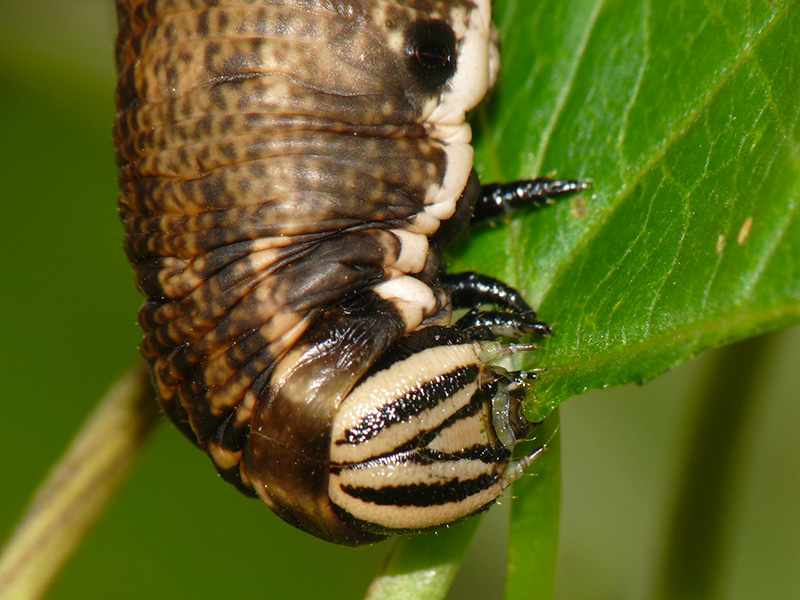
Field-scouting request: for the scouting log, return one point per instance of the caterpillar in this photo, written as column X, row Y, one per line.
column 290, row 171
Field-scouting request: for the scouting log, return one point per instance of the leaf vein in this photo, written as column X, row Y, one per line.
column 726, row 74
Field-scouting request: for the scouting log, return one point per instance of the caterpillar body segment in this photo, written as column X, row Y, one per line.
column 289, row 171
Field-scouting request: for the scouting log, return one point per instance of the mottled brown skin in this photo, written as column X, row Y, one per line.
column 265, row 149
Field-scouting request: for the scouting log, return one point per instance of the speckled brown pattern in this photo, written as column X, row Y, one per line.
column 267, row 150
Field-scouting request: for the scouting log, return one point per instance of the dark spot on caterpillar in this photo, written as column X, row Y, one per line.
column 431, row 49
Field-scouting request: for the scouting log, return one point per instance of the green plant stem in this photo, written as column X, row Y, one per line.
column 535, row 512
column 695, row 550
column 78, row 488
column 422, row 567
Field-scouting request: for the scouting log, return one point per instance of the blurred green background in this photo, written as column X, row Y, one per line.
column 68, row 327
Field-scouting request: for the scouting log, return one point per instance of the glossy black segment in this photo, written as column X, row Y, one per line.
column 414, row 402
column 501, row 324
column 498, row 199
column 431, row 49
column 469, row 290
column 454, row 490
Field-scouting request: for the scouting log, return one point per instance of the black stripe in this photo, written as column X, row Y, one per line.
column 483, row 452
column 425, row 456
column 423, row 494
column 413, row 403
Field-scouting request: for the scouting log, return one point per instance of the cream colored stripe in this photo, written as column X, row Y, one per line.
column 414, row 517
column 386, row 474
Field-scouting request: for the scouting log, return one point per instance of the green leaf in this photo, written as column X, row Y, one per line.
column 684, row 116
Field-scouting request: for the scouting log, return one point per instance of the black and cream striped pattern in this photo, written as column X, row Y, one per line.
column 413, row 445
